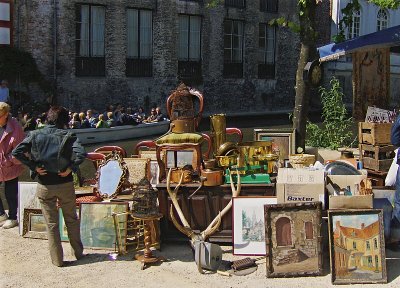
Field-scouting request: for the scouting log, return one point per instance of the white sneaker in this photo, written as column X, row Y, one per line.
column 10, row 224
column 3, row 219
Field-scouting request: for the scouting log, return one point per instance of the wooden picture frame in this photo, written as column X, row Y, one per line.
column 283, row 140
column 26, row 199
column 34, row 225
column 138, row 169
column 97, row 224
column 293, row 239
column 357, row 246
column 61, row 225
column 249, row 212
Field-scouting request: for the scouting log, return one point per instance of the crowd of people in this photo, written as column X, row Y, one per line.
column 116, row 115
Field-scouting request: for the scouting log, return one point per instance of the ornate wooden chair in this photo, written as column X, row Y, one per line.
column 108, row 149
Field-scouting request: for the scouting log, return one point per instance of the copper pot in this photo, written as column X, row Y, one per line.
column 210, row 163
column 176, row 174
column 212, row 177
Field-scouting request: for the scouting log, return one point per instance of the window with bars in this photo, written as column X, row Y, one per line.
column 189, row 49
column 233, row 49
column 354, row 29
column 90, row 51
column 235, row 3
column 139, row 58
column 266, row 51
column 269, row 6
column 382, row 20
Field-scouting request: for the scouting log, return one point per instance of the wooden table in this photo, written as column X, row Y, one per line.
column 203, row 207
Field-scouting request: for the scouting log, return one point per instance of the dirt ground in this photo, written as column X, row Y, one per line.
column 26, row 262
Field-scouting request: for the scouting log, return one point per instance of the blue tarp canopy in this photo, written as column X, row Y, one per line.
column 385, row 38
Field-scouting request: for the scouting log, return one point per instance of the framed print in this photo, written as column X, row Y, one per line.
column 97, row 224
column 62, row 226
column 138, row 168
column 293, row 239
column 248, row 224
column 26, row 199
column 34, row 225
column 283, row 141
column 154, row 172
column 357, row 246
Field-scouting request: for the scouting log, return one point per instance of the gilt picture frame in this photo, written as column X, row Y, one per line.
column 97, row 224
column 26, row 199
column 34, row 224
column 283, row 141
column 248, row 226
column 293, row 239
column 357, row 246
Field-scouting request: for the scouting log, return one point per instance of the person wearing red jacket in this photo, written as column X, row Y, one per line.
column 11, row 134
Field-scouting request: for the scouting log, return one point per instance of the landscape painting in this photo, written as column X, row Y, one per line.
column 357, row 247
column 248, row 225
column 293, row 239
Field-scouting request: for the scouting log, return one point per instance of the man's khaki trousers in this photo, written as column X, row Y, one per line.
column 65, row 194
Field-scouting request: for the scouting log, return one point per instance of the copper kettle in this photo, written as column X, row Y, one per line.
column 212, row 177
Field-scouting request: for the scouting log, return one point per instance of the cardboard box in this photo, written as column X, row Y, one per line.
column 351, row 202
column 356, row 201
column 300, row 185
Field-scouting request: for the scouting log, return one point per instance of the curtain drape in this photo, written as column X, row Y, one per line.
column 84, row 31
column 98, row 25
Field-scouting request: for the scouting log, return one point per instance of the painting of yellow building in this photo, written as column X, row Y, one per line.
column 357, row 247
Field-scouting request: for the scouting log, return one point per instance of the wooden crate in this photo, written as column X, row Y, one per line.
column 377, row 177
column 378, row 158
column 374, row 133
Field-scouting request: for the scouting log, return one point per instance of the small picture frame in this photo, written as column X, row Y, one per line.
column 357, row 246
column 154, row 173
column 34, row 225
column 138, row 168
column 283, row 141
column 248, row 233
column 293, row 239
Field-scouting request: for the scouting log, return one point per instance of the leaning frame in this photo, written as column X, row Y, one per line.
column 335, row 271
column 273, row 213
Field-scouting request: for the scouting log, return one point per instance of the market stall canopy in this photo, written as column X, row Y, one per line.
column 385, row 38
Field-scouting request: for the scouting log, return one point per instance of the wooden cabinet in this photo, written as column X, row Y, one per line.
column 203, row 207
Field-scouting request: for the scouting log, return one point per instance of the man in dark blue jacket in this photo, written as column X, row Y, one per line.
column 53, row 153
column 395, row 229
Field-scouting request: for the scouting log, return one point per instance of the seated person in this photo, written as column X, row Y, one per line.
column 159, row 115
column 139, row 116
column 152, row 117
column 101, row 123
column 110, row 119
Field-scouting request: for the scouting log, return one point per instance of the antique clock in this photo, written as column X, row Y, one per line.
column 313, row 73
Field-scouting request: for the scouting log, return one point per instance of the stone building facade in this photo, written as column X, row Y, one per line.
column 49, row 29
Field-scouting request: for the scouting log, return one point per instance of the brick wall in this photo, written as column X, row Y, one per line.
column 248, row 94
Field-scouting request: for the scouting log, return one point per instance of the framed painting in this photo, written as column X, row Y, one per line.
column 62, row 226
column 154, row 172
column 97, row 224
column 283, row 141
column 248, row 224
column 26, row 199
column 357, row 246
column 293, row 239
column 138, row 169
column 34, row 225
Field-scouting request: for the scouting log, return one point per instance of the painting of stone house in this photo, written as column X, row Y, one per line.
column 357, row 248
column 293, row 239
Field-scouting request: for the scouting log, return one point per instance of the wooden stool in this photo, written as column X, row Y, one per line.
column 147, row 257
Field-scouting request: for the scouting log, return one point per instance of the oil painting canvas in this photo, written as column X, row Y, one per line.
column 97, row 224
column 357, row 247
column 293, row 242
column 248, row 225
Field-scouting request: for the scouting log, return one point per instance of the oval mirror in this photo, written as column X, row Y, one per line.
column 110, row 177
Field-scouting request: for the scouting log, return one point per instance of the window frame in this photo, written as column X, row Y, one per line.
column 188, row 68
column 139, row 66
column 88, row 66
column 265, row 7
column 354, row 29
column 266, row 70
column 235, row 4
column 382, row 24
column 233, row 69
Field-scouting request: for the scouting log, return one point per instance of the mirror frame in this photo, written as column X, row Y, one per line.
column 111, row 157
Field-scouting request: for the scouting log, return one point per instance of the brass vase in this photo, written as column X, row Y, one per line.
column 217, row 130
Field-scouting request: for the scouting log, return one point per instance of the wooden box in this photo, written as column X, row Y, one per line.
column 374, row 133
column 378, row 158
column 377, row 177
